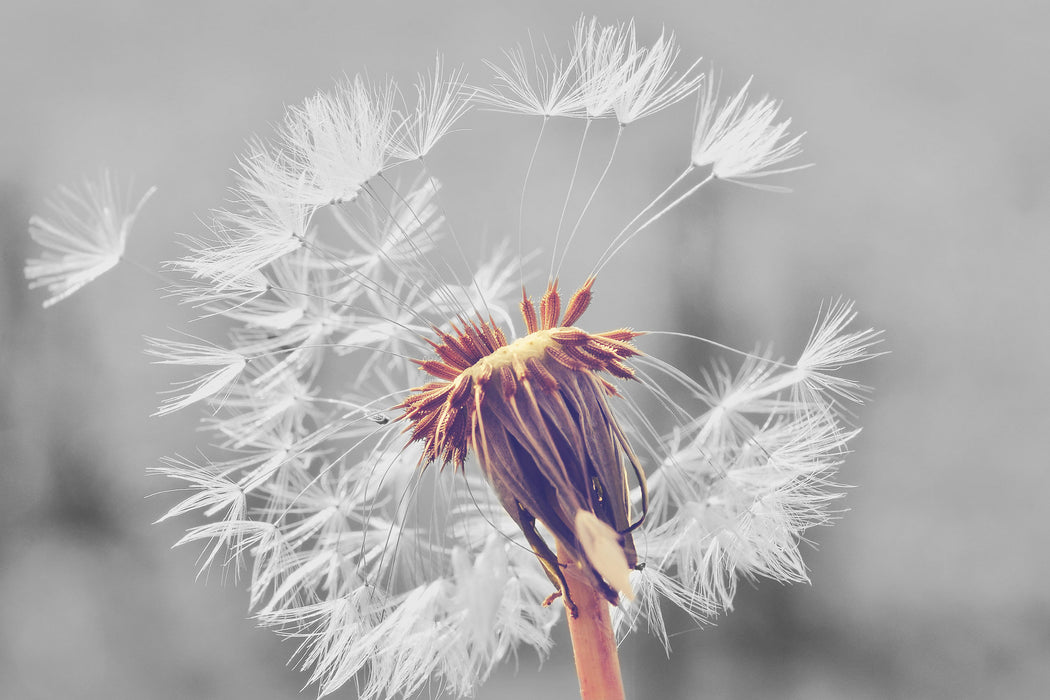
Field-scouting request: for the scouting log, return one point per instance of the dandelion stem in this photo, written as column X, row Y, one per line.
column 593, row 642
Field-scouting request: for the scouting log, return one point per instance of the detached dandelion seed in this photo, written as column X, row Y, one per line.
column 587, row 475
column 83, row 239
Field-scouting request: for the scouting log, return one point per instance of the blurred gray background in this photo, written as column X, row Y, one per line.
column 930, row 127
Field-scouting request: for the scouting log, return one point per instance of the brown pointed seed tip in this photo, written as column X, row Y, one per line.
column 528, row 312
column 550, row 306
column 578, row 303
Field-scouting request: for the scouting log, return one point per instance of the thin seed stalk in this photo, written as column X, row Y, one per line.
column 593, row 641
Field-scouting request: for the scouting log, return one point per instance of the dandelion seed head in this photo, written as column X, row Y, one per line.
column 578, row 460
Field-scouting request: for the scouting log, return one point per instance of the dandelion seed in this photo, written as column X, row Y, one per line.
column 651, row 588
column 332, row 144
column 215, row 495
column 830, row 348
column 741, row 141
column 549, row 88
column 605, row 62
column 650, row 85
column 215, row 492
column 83, row 239
column 228, row 363
column 441, row 102
column 215, row 297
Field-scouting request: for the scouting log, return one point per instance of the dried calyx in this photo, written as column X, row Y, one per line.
column 536, row 414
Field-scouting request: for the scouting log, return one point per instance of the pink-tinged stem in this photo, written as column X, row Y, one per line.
column 593, row 642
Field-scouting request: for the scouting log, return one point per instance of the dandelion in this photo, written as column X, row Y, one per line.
column 84, row 239
column 586, row 475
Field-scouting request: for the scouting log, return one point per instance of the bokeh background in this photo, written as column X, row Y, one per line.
column 930, row 127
